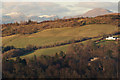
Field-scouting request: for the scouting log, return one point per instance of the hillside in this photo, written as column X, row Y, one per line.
column 52, row 36
column 53, row 50
column 50, row 41
column 79, row 61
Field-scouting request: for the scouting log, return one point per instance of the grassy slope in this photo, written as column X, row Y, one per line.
column 52, row 51
column 51, row 36
column 47, row 51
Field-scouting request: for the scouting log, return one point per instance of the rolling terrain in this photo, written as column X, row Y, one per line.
column 56, row 35
column 51, row 36
column 53, row 50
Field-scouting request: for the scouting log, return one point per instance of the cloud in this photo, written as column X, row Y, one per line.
column 34, row 8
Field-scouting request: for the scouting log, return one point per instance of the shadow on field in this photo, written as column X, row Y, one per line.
column 28, row 53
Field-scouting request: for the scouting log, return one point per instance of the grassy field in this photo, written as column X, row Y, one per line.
column 47, row 51
column 53, row 50
column 51, row 36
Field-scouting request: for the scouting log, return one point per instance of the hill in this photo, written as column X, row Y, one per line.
column 95, row 12
column 46, row 42
column 52, row 36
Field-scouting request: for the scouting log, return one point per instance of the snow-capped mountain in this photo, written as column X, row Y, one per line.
column 13, row 14
column 17, row 17
column 43, row 17
column 47, row 16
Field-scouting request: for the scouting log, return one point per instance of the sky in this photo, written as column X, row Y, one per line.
column 61, row 8
column 55, row 8
column 59, row 0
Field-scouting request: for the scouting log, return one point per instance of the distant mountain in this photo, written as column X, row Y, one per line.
column 95, row 12
column 47, row 16
column 92, row 13
column 15, row 14
column 6, row 19
column 17, row 17
column 13, row 17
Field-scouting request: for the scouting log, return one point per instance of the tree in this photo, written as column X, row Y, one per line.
column 18, row 59
column 61, row 53
column 109, row 53
column 24, row 62
column 56, row 55
column 29, row 21
column 7, row 48
column 35, row 58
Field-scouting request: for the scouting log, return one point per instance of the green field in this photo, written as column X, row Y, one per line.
column 54, row 35
column 53, row 50
column 47, row 51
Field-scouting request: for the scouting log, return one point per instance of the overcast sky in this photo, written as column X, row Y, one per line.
column 55, row 8
column 59, row 0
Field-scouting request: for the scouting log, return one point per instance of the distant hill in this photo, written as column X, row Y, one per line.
column 92, row 13
column 95, row 12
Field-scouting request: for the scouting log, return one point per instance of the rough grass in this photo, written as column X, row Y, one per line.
column 51, row 36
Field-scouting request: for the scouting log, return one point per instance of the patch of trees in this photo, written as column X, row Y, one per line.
column 7, row 48
column 74, row 63
column 29, row 27
column 15, row 52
